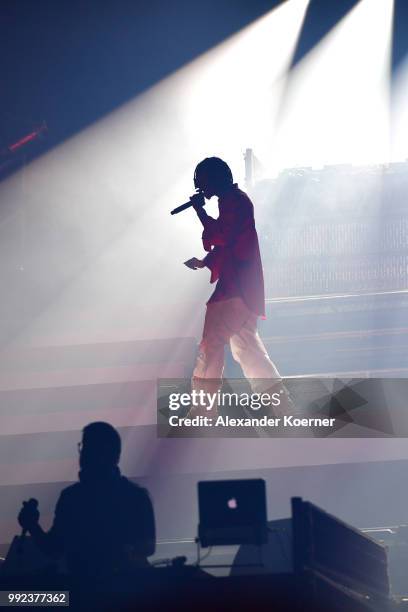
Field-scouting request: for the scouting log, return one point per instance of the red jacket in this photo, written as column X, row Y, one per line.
column 233, row 251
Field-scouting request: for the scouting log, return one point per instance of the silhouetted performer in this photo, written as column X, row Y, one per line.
column 235, row 264
column 102, row 524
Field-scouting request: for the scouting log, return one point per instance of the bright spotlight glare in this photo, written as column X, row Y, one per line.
column 233, row 92
column 337, row 105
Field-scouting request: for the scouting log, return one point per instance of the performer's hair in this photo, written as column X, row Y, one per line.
column 215, row 168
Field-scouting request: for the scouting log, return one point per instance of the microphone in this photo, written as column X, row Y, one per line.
column 33, row 505
column 197, row 198
column 182, row 207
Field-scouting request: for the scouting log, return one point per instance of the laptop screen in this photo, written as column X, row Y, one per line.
column 232, row 511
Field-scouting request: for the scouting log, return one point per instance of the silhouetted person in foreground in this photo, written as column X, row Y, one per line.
column 104, row 523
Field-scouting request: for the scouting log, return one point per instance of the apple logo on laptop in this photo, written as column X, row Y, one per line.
column 232, row 503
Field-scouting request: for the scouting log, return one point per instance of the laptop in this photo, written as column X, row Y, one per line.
column 232, row 512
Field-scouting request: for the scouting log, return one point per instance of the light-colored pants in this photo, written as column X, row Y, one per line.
column 232, row 321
